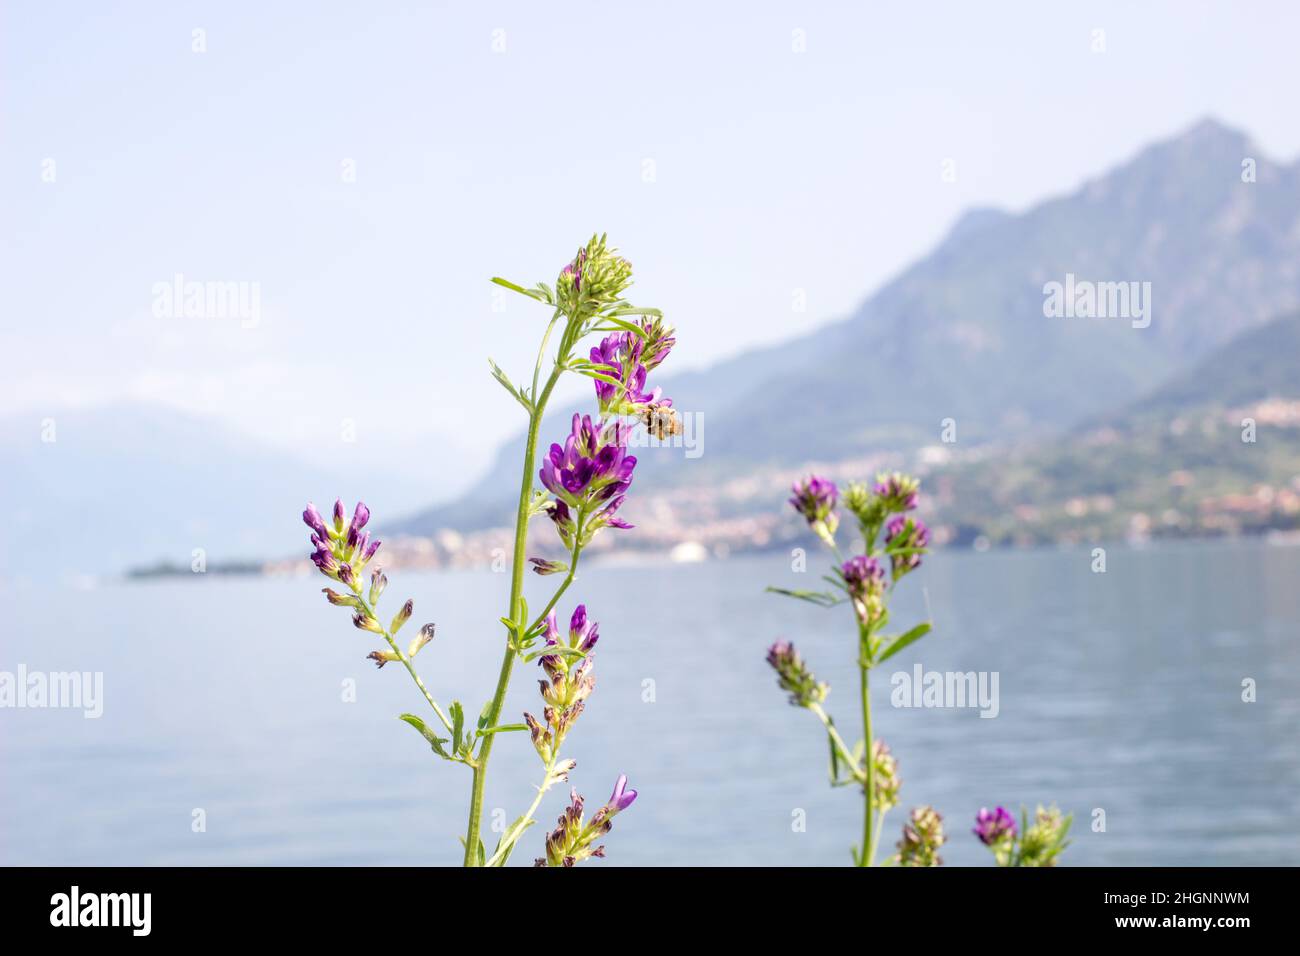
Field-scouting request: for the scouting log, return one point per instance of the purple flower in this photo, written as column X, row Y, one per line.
column 815, row 499
column 865, row 580
column 622, row 797
column 572, row 272
column 908, row 534
column 862, row 573
column 360, row 516
column 312, row 518
column 590, row 474
column 659, row 341
column 993, row 826
column 620, row 356
column 898, row 492
column 793, row 675
column 339, row 555
column 583, row 633
column 544, row 566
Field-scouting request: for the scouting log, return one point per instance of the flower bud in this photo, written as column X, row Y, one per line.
column 312, row 518
column 366, row 623
column 543, row 566
column 382, row 657
column 340, row 600
column 378, row 581
column 402, row 616
column 417, row 642
column 922, row 837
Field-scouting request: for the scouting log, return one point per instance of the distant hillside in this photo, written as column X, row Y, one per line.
column 1172, row 463
column 962, row 333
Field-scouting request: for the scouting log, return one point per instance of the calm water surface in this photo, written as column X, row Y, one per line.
column 1120, row 691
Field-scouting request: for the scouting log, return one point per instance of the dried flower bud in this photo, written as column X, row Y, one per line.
column 382, row 657
column 340, row 600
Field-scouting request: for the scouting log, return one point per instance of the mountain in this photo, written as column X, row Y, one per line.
column 1214, row 450
column 962, row 334
column 132, row 484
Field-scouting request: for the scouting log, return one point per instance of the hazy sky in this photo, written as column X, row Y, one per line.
column 492, row 138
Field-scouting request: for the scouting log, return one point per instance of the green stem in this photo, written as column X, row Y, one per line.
column 406, row 661
column 875, row 837
column 845, row 754
column 516, row 594
column 868, row 844
column 508, row 847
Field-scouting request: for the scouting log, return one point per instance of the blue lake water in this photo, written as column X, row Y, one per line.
column 1119, row 692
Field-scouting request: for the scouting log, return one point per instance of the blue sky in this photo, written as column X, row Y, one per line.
column 773, row 171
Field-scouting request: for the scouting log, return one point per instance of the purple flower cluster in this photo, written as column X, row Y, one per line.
column 905, row 537
column 897, row 492
column 619, row 356
column 994, row 826
column 793, row 675
column 588, row 474
column 341, row 553
column 571, row 840
column 865, row 580
column 815, row 498
column 569, row 682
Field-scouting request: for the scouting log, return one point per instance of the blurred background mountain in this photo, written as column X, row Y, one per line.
column 1066, row 429
column 961, row 336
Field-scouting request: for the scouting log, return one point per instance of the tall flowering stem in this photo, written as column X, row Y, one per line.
column 864, row 583
column 586, row 480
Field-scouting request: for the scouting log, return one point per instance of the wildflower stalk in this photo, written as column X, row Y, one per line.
column 868, row 843
column 588, row 476
column 406, row 662
column 516, row 593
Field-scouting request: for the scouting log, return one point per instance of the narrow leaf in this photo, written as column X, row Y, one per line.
column 915, row 634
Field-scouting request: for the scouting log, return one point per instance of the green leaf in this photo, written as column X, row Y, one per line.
column 633, row 310
column 434, row 740
column 508, row 840
column 912, row 636
column 820, row 598
column 457, row 726
column 502, row 729
column 541, row 294
column 509, row 386
column 559, row 649
column 620, row 324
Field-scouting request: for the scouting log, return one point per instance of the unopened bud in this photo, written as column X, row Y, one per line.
column 417, row 642
column 378, row 581
column 402, row 616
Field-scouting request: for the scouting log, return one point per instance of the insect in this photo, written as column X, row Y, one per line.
column 662, row 421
